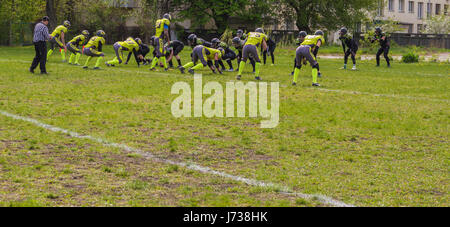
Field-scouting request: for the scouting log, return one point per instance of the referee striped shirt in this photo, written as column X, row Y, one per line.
column 41, row 33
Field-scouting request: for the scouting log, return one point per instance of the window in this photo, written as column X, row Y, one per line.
column 401, row 6
column 420, row 10
column 419, row 28
column 411, row 7
column 380, row 9
column 429, row 9
column 438, row 9
column 445, row 9
column 391, row 5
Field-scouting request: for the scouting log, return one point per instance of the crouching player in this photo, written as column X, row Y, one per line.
column 238, row 43
column 254, row 40
column 350, row 47
column 162, row 31
column 229, row 54
column 59, row 40
column 131, row 45
column 174, row 48
column 206, row 55
column 305, row 51
column 94, row 49
column 142, row 52
column 75, row 46
column 300, row 39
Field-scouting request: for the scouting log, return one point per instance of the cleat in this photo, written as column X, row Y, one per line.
column 96, row 68
column 181, row 68
column 294, row 84
column 319, row 75
column 238, row 77
column 166, row 69
column 316, row 85
column 31, row 71
column 152, row 69
column 258, row 78
column 292, row 73
column 85, row 67
column 107, row 64
column 191, row 71
column 354, row 68
column 76, row 64
column 230, row 70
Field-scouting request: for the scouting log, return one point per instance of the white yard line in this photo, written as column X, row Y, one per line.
column 282, row 189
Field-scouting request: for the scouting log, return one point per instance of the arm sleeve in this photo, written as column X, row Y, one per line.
column 316, row 51
column 129, row 56
column 135, row 53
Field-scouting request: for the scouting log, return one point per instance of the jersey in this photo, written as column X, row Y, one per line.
column 385, row 42
column 161, row 24
column 211, row 53
column 96, row 42
column 78, row 40
column 175, row 44
column 255, row 38
column 130, row 44
column 57, row 32
column 312, row 40
column 349, row 42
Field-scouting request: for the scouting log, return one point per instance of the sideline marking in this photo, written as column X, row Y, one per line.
column 283, row 189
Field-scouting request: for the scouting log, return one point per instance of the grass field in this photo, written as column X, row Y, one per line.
column 374, row 137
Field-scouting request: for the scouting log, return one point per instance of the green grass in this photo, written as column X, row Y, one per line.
column 363, row 149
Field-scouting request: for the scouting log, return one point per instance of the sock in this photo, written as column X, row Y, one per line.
column 198, row 66
column 63, row 54
column 72, row 56
column 241, row 68
column 188, row 65
column 50, row 52
column 99, row 60
column 257, row 68
column 154, row 62
column 87, row 61
column 314, row 75
column 115, row 61
column 296, row 73
column 170, row 63
column 163, row 60
column 77, row 58
column 179, row 62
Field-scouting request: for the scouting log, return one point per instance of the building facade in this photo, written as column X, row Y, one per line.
column 411, row 14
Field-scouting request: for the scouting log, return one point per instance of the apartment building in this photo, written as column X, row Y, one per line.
column 411, row 14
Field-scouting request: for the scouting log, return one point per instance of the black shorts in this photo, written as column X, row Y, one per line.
column 178, row 50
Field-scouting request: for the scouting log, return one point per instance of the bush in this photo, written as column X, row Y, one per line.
column 410, row 57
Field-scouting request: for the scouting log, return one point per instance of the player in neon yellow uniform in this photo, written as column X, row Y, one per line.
column 94, row 49
column 130, row 45
column 162, row 31
column 59, row 40
column 254, row 40
column 306, row 50
column 74, row 47
column 206, row 55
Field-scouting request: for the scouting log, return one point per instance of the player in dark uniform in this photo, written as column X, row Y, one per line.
column 174, row 48
column 350, row 47
column 272, row 45
column 238, row 43
column 229, row 56
column 143, row 51
column 385, row 45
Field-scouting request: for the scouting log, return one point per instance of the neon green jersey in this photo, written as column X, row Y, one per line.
column 57, row 32
column 255, row 38
column 160, row 25
column 95, row 42
column 312, row 40
column 211, row 53
column 130, row 44
column 78, row 40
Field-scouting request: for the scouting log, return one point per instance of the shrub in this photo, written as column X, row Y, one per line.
column 410, row 57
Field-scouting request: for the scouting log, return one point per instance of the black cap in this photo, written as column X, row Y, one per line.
column 46, row 18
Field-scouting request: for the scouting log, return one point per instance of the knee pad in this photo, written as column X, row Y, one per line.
column 316, row 66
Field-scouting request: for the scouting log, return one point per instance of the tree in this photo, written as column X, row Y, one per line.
column 439, row 24
column 310, row 14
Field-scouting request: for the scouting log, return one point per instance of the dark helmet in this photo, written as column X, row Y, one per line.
column 260, row 30
column 192, row 37
column 100, row 33
column 66, row 23
column 239, row 32
column 319, row 32
column 236, row 40
column 215, row 41
column 85, row 33
column 378, row 30
column 302, row 34
column 138, row 41
column 167, row 16
column 46, row 18
column 343, row 31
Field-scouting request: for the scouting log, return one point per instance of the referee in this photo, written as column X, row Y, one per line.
column 41, row 36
